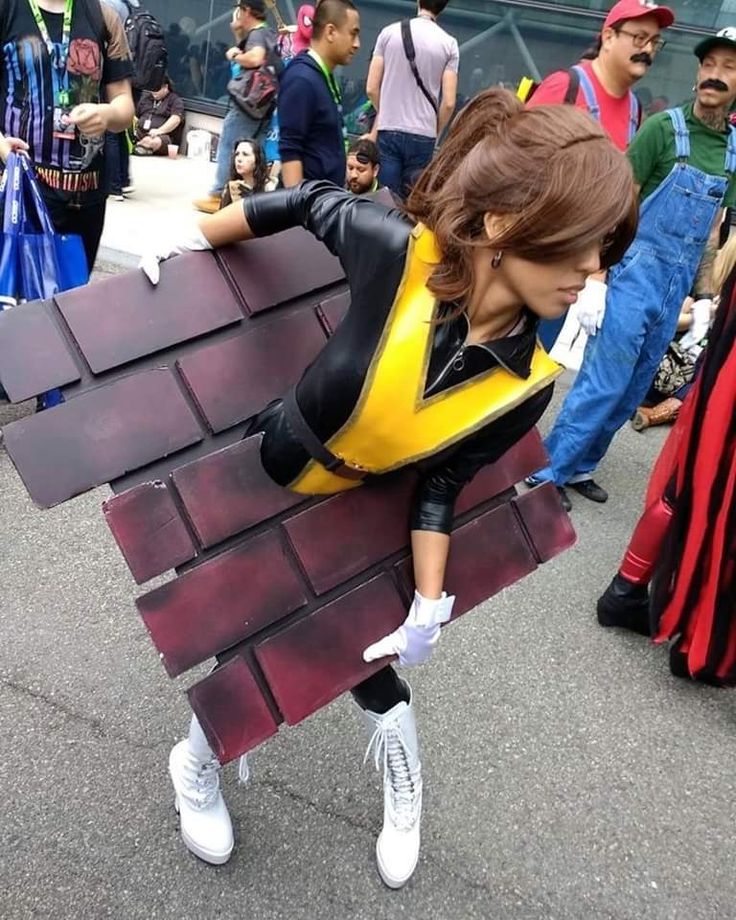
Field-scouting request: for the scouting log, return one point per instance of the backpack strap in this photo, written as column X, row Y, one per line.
column 682, row 135
column 731, row 150
column 634, row 115
column 588, row 91
column 571, row 96
column 410, row 53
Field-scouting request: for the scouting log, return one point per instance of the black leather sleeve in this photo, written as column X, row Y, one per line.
column 344, row 222
column 434, row 502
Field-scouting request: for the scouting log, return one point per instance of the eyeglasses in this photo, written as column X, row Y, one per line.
column 640, row 40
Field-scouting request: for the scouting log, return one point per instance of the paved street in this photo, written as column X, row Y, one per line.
column 568, row 775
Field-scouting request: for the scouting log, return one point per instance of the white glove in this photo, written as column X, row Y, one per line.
column 416, row 638
column 196, row 241
column 701, row 311
column 591, row 306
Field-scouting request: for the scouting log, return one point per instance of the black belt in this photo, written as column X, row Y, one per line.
column 312, row 444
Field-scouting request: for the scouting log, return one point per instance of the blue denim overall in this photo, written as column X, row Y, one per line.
column 645, row 294
column 549, row 329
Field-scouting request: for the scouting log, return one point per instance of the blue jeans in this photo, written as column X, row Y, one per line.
column 237, row 126
column 403, row 157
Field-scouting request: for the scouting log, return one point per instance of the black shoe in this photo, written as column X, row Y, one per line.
column 589, row 488
column 626, row 605
column 564, row 498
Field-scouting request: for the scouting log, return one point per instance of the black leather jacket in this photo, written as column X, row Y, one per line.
column 371, row 242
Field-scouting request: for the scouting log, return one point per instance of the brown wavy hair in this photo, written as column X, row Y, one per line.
column 551, row 169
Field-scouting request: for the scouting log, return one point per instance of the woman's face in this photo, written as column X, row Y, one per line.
column 549, row 288
column 245, row 160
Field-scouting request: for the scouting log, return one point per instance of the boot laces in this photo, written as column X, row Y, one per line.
column 404, row 786
column 204, row 784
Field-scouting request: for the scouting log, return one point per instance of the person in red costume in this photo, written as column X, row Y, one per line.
column 677, row 581
column 304, row 21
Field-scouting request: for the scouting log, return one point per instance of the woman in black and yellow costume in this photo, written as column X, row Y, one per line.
column 436, row 364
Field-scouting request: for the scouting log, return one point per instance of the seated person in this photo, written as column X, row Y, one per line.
column 248, row 172
column 159, row 120
column 363, row 165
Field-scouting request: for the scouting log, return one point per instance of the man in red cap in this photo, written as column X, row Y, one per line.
column 602, row 83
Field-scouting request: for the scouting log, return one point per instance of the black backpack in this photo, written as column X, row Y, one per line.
column 147, row 47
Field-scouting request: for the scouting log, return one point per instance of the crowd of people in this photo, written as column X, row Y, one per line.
column 517, row 217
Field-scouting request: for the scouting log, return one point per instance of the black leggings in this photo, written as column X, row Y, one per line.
column 86, row 222
column 382, row 691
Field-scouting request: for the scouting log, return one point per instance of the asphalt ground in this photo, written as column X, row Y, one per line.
column 568, row 775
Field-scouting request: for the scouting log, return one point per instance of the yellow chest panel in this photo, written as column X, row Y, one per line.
column 393, row 424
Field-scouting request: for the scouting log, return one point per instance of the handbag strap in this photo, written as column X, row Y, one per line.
column 12, row 195
column 31, row 183
column 411, row 56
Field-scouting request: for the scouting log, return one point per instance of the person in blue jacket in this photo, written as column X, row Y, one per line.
column 312, row 133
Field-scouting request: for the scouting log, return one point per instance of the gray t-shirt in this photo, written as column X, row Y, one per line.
column 403, row 106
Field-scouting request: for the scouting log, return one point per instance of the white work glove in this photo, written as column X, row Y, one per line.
column 195, row 241
column 701, row 313
column 591, row 305
column 415, row 639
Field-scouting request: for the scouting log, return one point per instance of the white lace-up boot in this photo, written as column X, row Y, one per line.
column 206, row 828
column 395, row 746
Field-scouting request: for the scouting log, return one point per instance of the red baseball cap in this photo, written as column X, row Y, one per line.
column 634, row 9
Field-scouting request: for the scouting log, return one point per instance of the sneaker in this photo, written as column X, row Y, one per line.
column 117, row 195
column 210, row 204
column 128, row 189
column 206, row 828
column 626, row 605
column 589, row 489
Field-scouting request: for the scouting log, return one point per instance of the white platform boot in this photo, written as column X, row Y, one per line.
column 206, row 828
column 395, row 747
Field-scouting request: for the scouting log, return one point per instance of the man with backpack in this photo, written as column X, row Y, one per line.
column 602, row 82
column 256, row 49
column 412, row 83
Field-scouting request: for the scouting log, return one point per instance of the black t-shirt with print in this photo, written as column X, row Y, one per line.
column 69, row 170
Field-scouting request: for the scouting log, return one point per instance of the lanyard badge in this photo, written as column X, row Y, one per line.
column 334, row 89
column 62, row 100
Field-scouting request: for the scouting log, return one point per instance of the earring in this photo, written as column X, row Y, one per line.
column 496, row 260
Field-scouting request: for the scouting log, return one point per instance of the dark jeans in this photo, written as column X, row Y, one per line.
column 403, row 157
column 86, row 222
column 117, row 163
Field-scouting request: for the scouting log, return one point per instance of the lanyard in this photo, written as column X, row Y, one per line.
column 334, row 88
column 66, row 30
column 329, row 79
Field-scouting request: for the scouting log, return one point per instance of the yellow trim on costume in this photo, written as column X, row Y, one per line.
column 393, row 424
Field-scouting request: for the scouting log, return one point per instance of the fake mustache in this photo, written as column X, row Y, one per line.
column 714, row 84
column 642, row 57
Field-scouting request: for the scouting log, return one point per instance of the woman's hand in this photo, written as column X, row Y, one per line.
column 415, row 639
column 10, row 144
column 91, row 118
column 196, row 241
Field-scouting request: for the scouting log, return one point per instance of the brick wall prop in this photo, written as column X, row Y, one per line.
column 285, row 590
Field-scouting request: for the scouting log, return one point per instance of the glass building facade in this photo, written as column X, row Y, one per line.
column 500, row 41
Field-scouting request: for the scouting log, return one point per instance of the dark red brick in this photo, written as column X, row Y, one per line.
column 149, row 530
column 332, row 310
column 100, row 435
column 125, row 317
column 228, row 491
column 273, row 270
column 231, row 710
column 486, row 555
column 233, row 380
column 320, row 656
column 525, row 457
column 548, row 526
column 347, row 534
column 33, row 354
column 221, row 602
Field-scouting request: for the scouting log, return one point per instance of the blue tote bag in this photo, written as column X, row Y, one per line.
column 36, row 262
